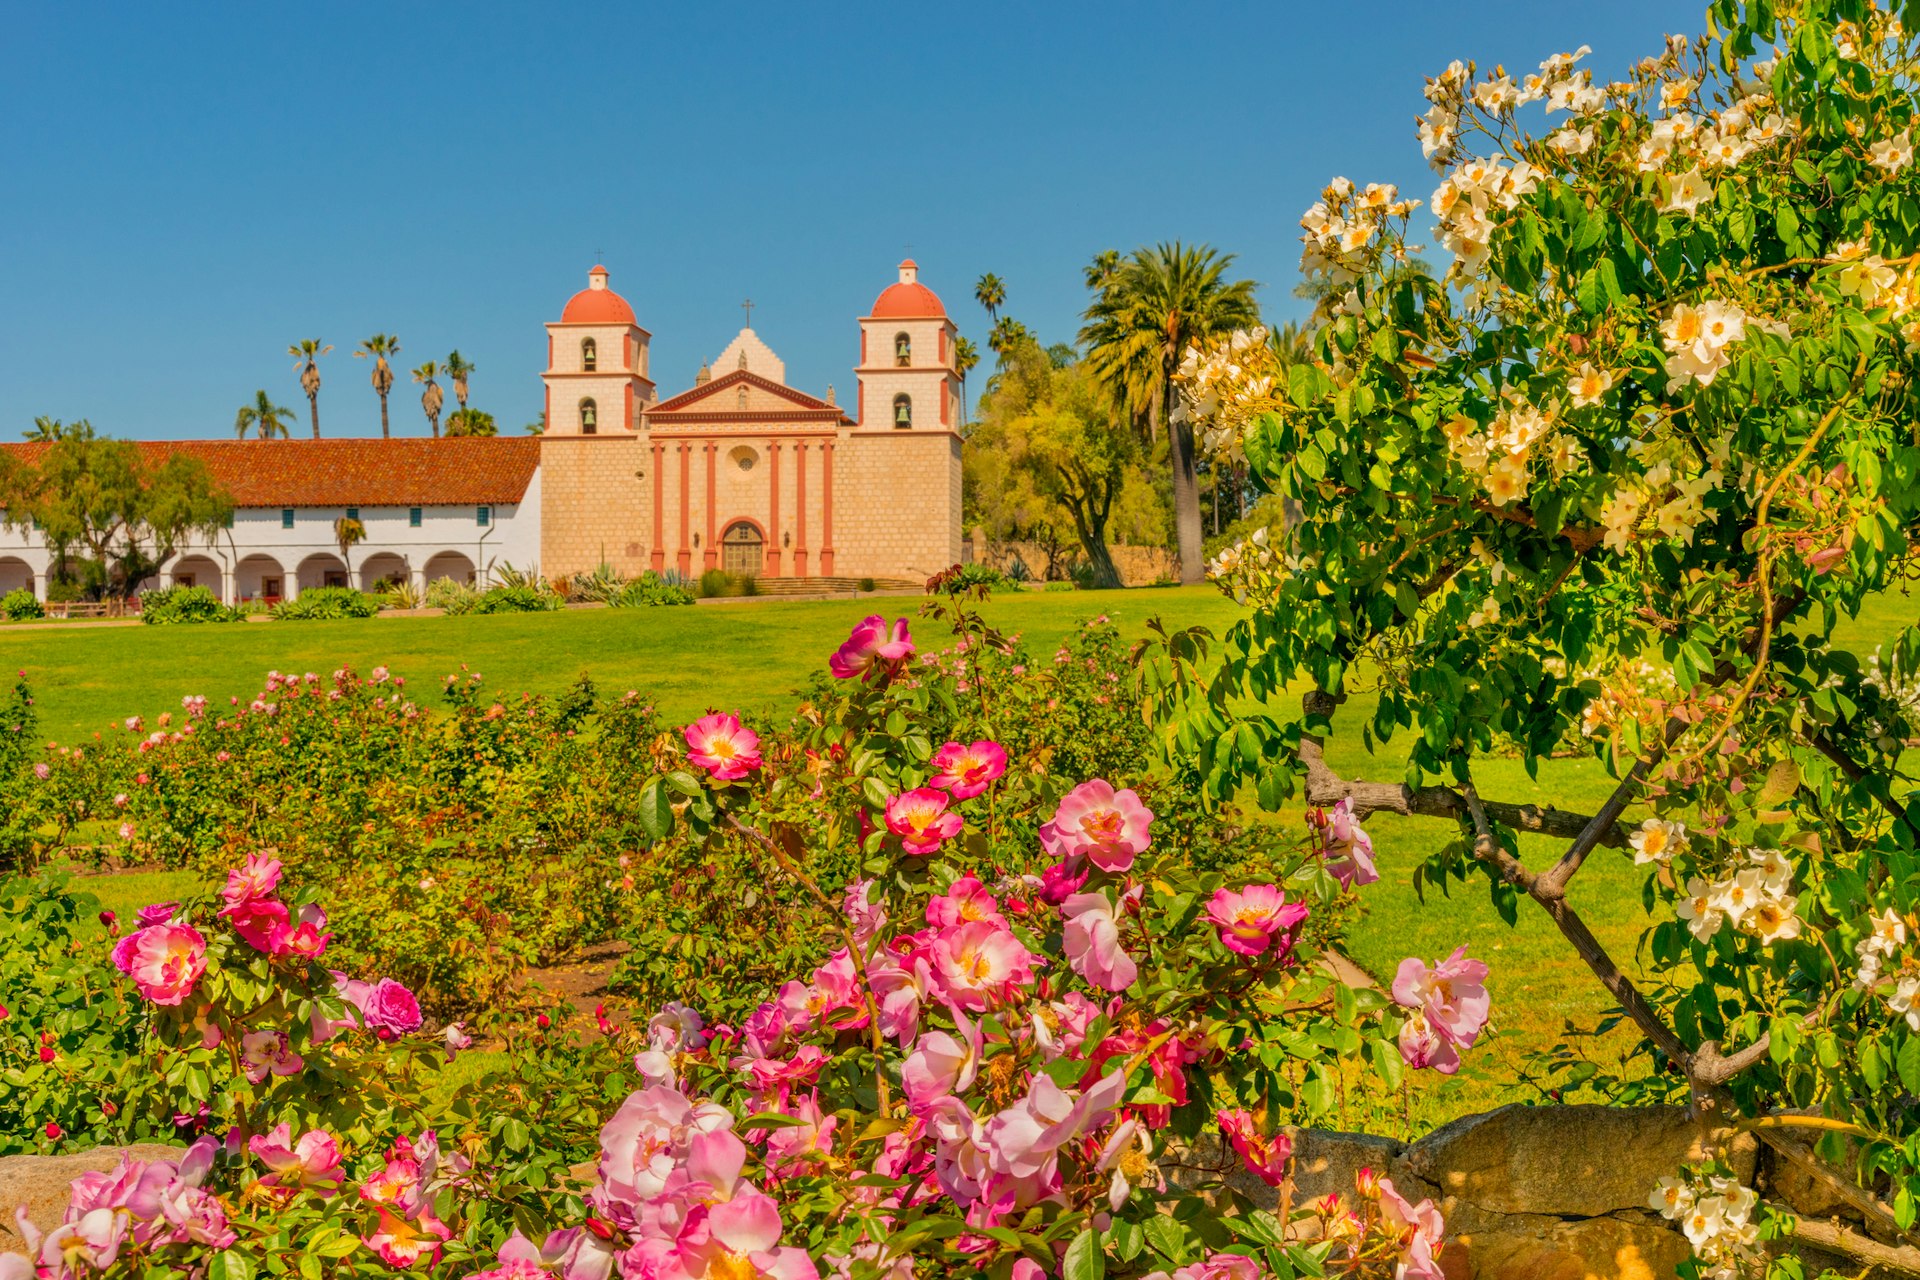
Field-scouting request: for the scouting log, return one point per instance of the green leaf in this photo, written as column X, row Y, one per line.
column 1086, row 1259
column 232, row 1264
column 1907, row 1063
column 656, row 811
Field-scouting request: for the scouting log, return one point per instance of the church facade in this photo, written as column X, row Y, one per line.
column 739, row 472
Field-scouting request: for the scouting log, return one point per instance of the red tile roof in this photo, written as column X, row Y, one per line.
column 409, row 472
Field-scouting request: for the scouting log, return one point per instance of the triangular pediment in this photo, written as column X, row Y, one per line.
column 722, row 395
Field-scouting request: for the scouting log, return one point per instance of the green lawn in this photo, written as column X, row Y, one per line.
column 751, row 655
column 755, row 657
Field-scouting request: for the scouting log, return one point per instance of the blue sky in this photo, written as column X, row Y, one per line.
column 191, row 188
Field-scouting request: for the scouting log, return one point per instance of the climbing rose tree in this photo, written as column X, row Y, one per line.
column 1617, row 480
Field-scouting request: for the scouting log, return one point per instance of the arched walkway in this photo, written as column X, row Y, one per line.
column 197, row 571
column 322, row 569
column 259, row 578
column 381, row 568
column 450, row 564
column 15, row 573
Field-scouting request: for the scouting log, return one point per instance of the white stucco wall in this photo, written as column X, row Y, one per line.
column 243, row 562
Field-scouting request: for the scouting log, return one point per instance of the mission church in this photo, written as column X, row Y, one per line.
column 739, row 472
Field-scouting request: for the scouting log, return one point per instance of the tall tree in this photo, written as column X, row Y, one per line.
column 377, row 349
column 471, row 422
column 991, row 294
column 1052, row 455
column 306, row 355
column 459, row 370
column 1101, row 268
column 46, row 430
column 125, row 511
column 1155, row 304
column 432, row 398
column 966, row 357
column 1007, row 336
column 263, row 417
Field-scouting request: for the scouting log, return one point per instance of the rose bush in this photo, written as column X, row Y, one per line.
column 1619, row 477
column 1017, row 1014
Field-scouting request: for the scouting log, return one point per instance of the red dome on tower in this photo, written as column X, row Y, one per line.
column 908, row 299
column 597, row 304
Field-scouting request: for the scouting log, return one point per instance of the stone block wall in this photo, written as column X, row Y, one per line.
column 596, row 503
column 896, row 504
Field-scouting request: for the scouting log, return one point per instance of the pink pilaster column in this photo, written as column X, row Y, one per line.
column 773, row 509
column 659, row 556
column 826, row 509
column 800, row 509
column 686, row 552
column 711, row 559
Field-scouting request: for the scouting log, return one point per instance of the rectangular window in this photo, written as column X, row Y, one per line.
column 483, row 516
column 353, row 513
column 286, row 517
column 413, row 517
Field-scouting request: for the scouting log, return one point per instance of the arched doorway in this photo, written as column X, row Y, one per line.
column 197, row 571
column 452, row 566
column 381, row 569
column 741, row 548
column 322, row 569
column 261, row 578
column 15, row 574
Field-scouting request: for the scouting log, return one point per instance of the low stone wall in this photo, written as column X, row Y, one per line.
column 1138, row 566
column 1529, row 1193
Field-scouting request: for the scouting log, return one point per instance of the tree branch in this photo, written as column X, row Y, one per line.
column 1862, row 1201
column 1325, row 788
column 1902, row 1259
column 1827, row 747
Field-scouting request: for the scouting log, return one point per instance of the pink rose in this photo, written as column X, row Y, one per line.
column 920, row 818
column 1109, row 828
column 1061, row 881
column 966, row 771
column 1265, row 1158
column 257, row 877
column 1255, row 919
column 721, row 745
column 965, row 899
column 257, row 920
column 1346, row 848
column 872, row 647
column 1092, row 942
column 389, row 1009
column 165, row 961
column 1451, row 995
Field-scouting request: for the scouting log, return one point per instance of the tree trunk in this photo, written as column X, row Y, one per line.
column 313, row 406
column 1186, row 493
column 384, row 432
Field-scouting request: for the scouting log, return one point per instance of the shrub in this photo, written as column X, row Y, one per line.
column 318, row 604
column 69, row 1045
column 19, row 605
column 456, row 850
column 170, row 605
column 454, row 597
column 516, row 599
column 649, row 589
column 714, row 582
column 65, row 591
column 868, row 584
column 400, row 595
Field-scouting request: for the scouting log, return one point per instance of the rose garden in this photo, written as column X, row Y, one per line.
column 1033, row 961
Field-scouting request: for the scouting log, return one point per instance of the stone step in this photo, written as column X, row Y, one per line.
column 821, row 586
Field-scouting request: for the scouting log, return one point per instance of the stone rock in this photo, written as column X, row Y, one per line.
column 1593, row 1249
column 39, row 1183
column 1566, row 1161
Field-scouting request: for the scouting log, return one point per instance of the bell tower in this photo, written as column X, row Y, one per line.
column 596, row 373
column 907, row 380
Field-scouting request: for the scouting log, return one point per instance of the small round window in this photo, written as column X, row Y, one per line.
column 744, row 458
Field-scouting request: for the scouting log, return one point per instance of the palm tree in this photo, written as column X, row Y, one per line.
column 46, row 430
column 432, row 398
column 471, row 422
column 1007, row 335
column 1104, row 264
column 459, row 370
column 965, row 357
column 262, row 416
column 991, row 294
column 305, row 353
column 1156, row 304
column 378, row 348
